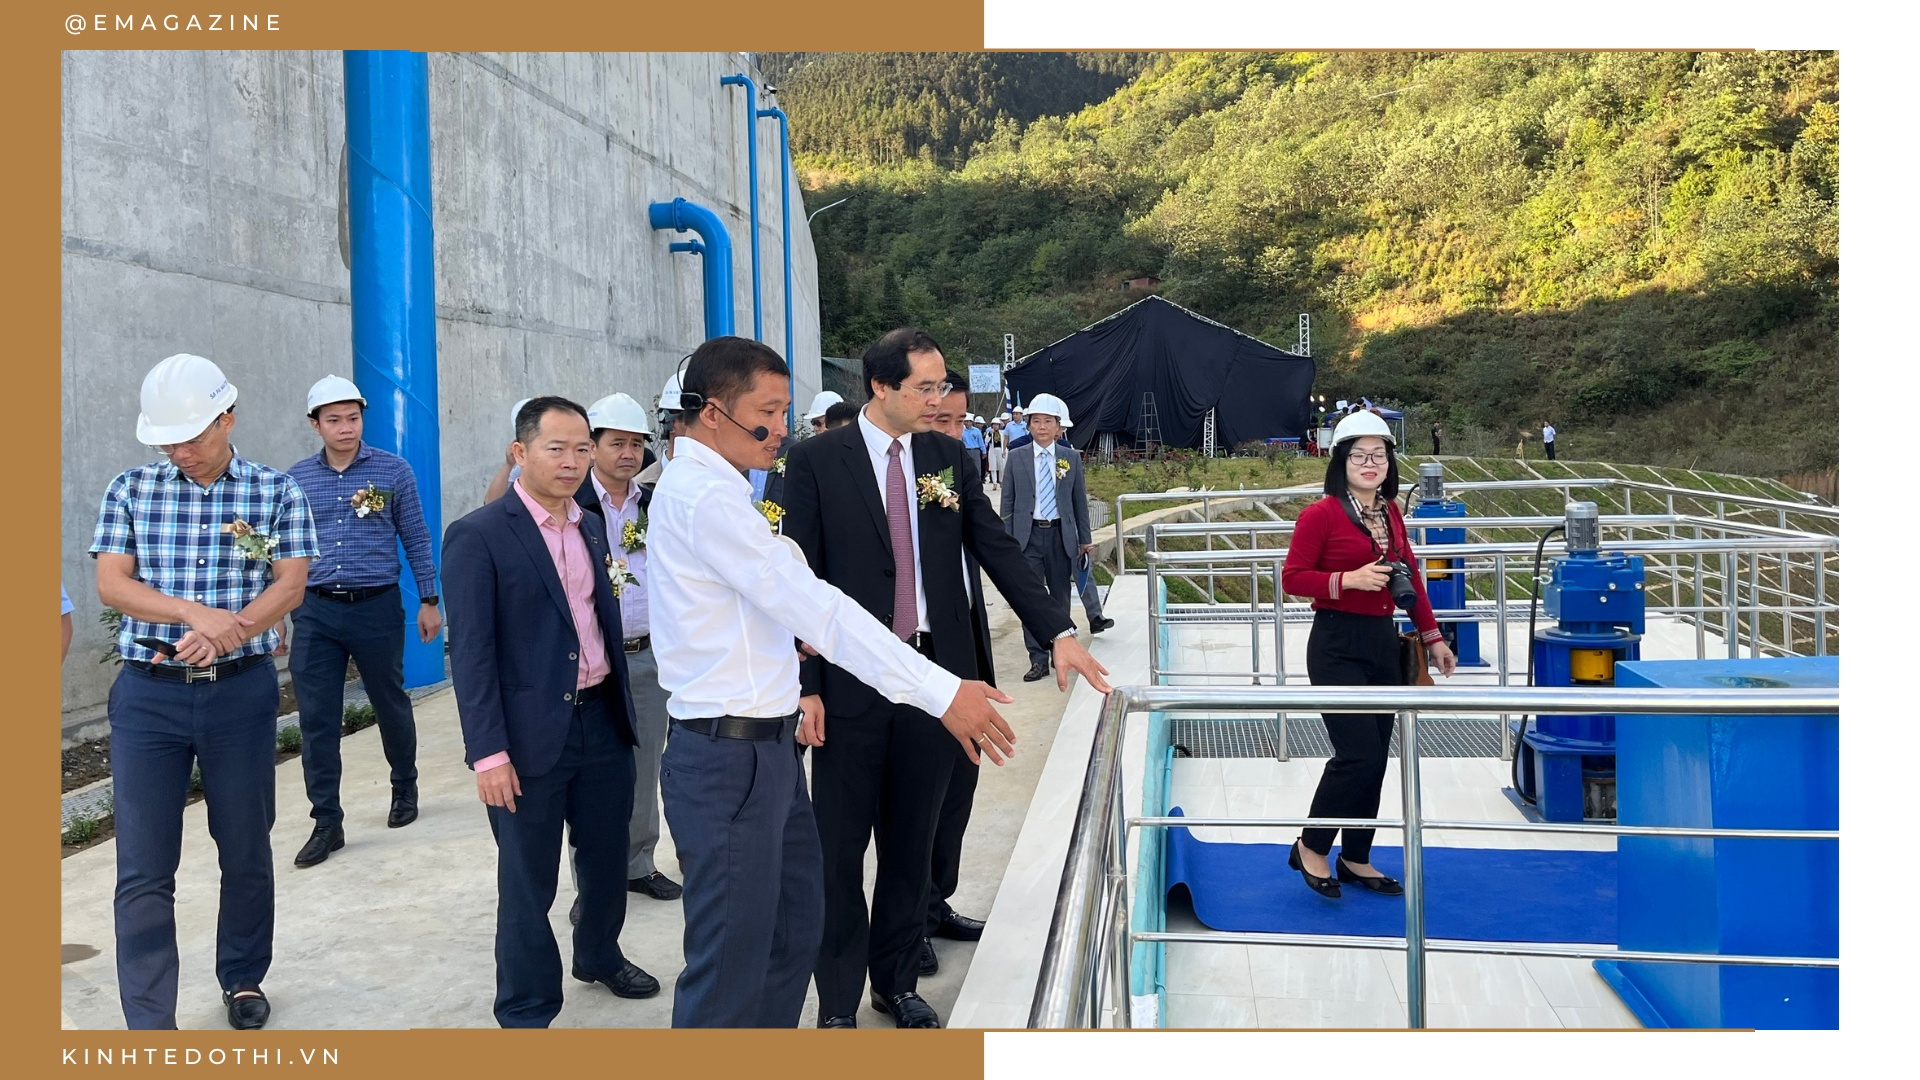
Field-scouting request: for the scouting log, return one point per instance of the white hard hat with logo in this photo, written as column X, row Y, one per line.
column 822, row 401
column 619, row 412
column 670, row 394
column 1047, row 405
column 1362, row 424
column 331, row 389
column 181, row 397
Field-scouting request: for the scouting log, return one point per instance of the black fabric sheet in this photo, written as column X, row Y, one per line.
column 1189, row 364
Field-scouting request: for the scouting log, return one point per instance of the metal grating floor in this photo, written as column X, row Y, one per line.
column 1307, row 737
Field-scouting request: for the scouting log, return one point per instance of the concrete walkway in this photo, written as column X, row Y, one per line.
column 396, row 929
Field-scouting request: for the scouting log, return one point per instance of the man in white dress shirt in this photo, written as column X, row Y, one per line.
column 728, row 599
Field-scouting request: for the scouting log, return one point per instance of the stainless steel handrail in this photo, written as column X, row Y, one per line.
column 1073, row 973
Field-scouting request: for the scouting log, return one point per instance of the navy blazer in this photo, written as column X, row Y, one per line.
column 514, row 647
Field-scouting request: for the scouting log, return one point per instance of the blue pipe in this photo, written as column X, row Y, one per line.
column 716, row 257
column 753, row 187
column 786, row 248
column 390, row 237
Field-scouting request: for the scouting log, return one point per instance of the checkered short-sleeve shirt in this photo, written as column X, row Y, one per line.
column 173, row 528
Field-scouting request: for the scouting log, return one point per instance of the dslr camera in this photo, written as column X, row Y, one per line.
column 1399, row 583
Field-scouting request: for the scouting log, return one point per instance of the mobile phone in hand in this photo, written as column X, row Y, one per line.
column 164, row 648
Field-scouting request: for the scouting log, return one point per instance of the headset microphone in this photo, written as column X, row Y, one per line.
column 759, row 433
column 694, row 400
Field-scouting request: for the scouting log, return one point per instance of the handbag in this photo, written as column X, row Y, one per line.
column 1413, row 661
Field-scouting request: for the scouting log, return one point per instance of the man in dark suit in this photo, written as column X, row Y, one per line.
column 547, row 712
column 883, row 509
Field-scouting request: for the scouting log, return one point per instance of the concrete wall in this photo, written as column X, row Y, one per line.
column 200, row 212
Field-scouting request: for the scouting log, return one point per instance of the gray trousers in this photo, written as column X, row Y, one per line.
column 1089, row 591
column 650, row 708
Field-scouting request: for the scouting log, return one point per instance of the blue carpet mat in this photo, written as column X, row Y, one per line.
column 1475, row 894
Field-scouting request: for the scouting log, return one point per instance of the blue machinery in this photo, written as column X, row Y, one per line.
column 1446, row 578
column 390, row 237
column 1564, row 764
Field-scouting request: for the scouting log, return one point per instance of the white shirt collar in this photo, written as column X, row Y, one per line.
column 600, row 489
column 695, row 452
column 877, row 440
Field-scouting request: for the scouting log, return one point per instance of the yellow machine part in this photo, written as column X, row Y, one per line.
column 1592, row 665
column 1438, row 569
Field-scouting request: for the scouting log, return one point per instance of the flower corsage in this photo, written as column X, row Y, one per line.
column 772, row 511
column 370, row 500
column 1061, row 467
column 939, row 490
column 619, row 575
column 252, row 544
column 633, row 535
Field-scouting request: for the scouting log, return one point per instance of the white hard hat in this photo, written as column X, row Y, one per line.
column 619, row 412
column 670, row 394
column 1066, row 416
column 1047, row 405
column 823, row 401
column 331, row 389
column 181, row 397
column 1003, row 417
column 1361, row 424
column 513, row 418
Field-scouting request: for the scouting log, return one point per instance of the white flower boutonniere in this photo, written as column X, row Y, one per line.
column 252, row 544
column 938, row 490
column 780, row 465
column 619, row 575
column 1061, row 467
column 633, row 535
column 370, row 500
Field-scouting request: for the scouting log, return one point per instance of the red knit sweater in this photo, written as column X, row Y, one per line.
column 1326, row 544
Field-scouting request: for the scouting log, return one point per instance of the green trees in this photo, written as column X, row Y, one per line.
column 1485, row 235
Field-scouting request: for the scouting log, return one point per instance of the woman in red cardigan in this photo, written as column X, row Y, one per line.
column 1336, row 559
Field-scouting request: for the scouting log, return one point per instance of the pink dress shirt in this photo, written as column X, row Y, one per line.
column 575, row 567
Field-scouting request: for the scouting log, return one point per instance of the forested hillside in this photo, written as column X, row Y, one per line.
column 1641, row 247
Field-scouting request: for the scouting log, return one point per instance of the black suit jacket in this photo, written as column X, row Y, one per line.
column 589, row 497
column 514, row 646
column 835, row 514
column 982, row 631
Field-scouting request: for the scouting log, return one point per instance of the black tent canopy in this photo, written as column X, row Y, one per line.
column 1188, row 362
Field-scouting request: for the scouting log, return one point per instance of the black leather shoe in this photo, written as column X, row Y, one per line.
column 628, row 982
column 325, row 840
column 247, row 1008
column 839, row 1022
column 406, row 806
column 1325, row 886
column 1102, row 624
column 1035, row 673
column 909, row 1010
column 929, row 960
column 957, row 927
column 1383, row 885
column 657, row 885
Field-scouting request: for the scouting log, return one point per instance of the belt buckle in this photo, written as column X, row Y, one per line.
column 210, row 673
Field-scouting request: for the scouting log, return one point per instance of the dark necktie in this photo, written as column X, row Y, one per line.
column 906, row 613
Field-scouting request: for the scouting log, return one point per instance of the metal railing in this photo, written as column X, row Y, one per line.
column 1757, row 592
column 1662, row 495
column 1085, row 972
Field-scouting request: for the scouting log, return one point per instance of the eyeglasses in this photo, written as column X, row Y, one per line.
column 1380, row 458
column 926, row 390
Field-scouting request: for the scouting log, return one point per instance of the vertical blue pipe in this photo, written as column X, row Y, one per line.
column 715, row 249
column 389, row 199
column 753, row 188
column 786, row 248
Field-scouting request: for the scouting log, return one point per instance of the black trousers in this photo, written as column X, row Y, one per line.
column 589, row 792
column 1551, row 456
column 956, row 810
column 1047, row 553
column 1345, row 649
column 882, row 774
column 373, row 633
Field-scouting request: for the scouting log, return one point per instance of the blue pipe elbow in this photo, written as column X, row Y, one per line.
column 716, row 261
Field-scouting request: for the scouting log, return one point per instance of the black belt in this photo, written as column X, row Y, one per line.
column 1054, row 524
column 638, row 644
column 351, row 596
column 742, row 727
column 188, row 674
column 922, row 643
column 599, row 691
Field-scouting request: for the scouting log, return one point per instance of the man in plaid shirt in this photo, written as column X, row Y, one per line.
column 202, row 553
column 362, row 499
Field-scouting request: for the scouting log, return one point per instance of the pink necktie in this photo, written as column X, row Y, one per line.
column 906, row 613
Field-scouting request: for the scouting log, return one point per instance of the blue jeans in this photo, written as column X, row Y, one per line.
column 754, row 903
column 374, row 634
column 160, row 728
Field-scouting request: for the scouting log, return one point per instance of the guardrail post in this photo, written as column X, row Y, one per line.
column 1820, row 605
column 1280, row 656
column 1415, row 884
column 1500, row 605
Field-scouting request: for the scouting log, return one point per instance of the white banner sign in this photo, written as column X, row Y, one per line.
column 983, row 378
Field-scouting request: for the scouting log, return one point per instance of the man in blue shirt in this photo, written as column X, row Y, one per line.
column 1017, row 429
column 363, row 499
column 202, row 554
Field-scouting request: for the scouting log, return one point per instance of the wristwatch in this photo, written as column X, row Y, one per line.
column 1070, row 631
column 431, row 601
